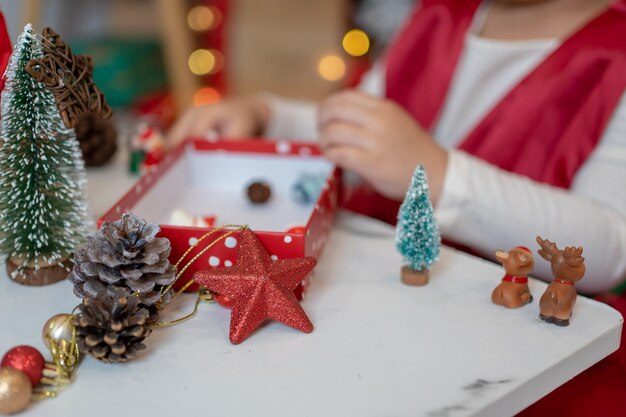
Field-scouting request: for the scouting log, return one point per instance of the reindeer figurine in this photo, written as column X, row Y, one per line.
column 513, row 291
column 568, row 267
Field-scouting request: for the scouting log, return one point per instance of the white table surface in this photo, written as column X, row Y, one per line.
column 379, row 348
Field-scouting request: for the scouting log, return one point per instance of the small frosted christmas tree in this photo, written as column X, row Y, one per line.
column 417, row 235
column 43, row 215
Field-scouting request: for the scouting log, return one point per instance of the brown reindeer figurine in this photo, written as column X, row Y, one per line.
column 568, row 267
column 513, row 291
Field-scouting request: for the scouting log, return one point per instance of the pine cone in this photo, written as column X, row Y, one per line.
column 126, row 254
column 112, row 326
column 97, row 138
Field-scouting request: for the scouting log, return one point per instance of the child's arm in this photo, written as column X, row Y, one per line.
column 294, row 119
column 480, row 205
column 484, row 207
column 380, row 141
column 291, row 119
column 262, row 114
column 233, row 118
column 248, row 116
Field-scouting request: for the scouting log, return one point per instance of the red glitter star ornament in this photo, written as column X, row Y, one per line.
column 259, row 288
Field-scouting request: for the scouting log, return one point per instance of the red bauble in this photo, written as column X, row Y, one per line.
column 259, row 288
column 26, row 359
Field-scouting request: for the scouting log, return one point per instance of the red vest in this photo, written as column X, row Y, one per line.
column 545, row 127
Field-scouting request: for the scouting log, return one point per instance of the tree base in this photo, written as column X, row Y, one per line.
column 414, row 278
column 45, row 275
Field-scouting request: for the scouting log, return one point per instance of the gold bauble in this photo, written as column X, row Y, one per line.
column 15, row 391
column 58, row 328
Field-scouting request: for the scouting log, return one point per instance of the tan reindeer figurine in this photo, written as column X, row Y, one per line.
column 513, row 291
column 568, row 267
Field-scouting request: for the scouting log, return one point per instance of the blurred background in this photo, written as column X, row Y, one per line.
column 155, row 58
column 161, row 56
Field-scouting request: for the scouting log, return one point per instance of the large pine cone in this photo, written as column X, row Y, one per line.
column 97, row 138
column 112, row 326
column 125, row 253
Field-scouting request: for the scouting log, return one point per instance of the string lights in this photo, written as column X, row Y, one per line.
column 201, row 61
column 204, row 18
column 355, row 43
column 206, row 95
column 205, row 61
column 331, row 68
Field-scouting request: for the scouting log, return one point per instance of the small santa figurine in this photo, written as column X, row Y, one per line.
column 147, row 148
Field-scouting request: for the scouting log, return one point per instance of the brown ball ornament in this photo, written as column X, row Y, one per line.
column 59, row 327
column 15, row 391
column 259, row 192
column 26, row 359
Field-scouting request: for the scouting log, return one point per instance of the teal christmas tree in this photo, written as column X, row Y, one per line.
column 417, row 235
column 43, row 214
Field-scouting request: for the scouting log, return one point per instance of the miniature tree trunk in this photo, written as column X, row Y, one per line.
column 43, row 215
column 414, row 278
column 43, row 275
column 417, row 235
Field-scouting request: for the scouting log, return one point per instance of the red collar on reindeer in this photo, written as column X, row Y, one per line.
column 515, row 280
column 562, row 281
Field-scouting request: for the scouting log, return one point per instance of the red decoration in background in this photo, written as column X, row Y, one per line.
column 158, row 107
column 215, row 38
column 298, row 230
column 5, row 49
column 357, row 67
column 209, row 220
column 147, row 148
column 259, row 288
column 26, row 359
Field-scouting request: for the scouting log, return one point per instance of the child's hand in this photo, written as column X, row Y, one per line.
column 230, row 119
column 380, row 141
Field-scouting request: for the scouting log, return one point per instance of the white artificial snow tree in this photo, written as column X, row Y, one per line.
column 43, row 214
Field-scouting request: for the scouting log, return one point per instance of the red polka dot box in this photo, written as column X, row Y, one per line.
column 203, row 184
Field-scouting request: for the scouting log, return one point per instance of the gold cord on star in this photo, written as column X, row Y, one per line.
column 203, row 294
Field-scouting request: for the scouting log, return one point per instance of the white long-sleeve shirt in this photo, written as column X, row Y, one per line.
column 487, row 208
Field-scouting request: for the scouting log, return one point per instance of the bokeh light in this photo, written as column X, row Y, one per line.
column 331, row 68
column 201, row 61
column 203, row 18
column 206, row 95
column 219, row 61
column 356, row 43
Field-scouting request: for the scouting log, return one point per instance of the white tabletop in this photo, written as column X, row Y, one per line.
column 379, row 348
